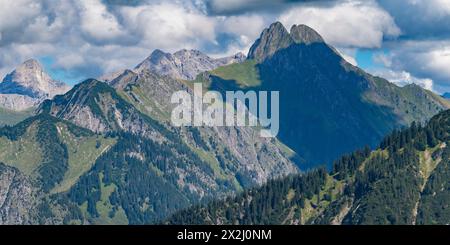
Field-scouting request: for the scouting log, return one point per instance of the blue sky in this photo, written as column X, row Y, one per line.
column 404, row 41
column 59, row 74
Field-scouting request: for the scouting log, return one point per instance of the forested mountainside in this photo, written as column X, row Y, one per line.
column 323, row 99
column 91, row 157
column 404, row 181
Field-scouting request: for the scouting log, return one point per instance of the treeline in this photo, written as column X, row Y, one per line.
column 146, row 176
column 54, row 162
column 417, row 136
column 261, row 205
column 383, row 186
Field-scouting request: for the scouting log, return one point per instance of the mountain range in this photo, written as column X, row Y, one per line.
column 183, row 64
column 105, row 152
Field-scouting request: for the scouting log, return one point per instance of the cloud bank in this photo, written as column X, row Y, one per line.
column 86, row 38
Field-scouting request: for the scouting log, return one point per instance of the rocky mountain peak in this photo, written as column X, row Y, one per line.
column 272, row 39
column 119, row 81
column 184, row 64
column 30, row 82
column 305, row 34
column 30, row 76
column 276, row 37
column 157, row 55
column 31, row 64
column 277, row 29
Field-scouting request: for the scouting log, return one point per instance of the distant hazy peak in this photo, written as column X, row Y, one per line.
column 276, row 37
column 240, row 55
column 191, row 52
column 31, row 80
column 157, row 55
column 29, row 72
column 184, row 64
column 30, row 64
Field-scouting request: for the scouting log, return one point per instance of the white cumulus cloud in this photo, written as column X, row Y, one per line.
column 430, row 59
column 168, row 26
column 358, row 24
column 97, row 23
column 402, row 78
column 90, row 37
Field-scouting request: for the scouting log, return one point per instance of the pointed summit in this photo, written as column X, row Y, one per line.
column 305, row 34
column 31, row 64
column 29, row 73
column 31, row 81
column 272, row 39
column 276, row 37
column 157, row 55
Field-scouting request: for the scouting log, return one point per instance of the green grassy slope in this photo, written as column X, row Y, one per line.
column 83, row 151
column 245, row 74
column 45, row 143
column 23, row 153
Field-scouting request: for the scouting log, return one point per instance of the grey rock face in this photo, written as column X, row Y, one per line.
column 121, row 81
column 276, row 37
column 31, row 80
column 27, row 86
column 96, row 106
column 260, row 158
column 16, row 196
column 272, row 39
column 17, row 102
column 305, row 34
column 184, row 64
